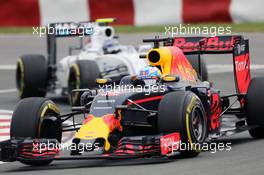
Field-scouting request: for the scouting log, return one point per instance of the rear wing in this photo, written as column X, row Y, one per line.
column 218, row 44
column 69, row 29
column 233, row 44
column 65, row 29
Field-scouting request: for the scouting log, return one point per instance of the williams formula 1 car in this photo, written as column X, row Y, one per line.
column 151, row 119
column 101, row 56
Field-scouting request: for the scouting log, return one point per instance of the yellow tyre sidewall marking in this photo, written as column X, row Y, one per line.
column 22, row 83
column 78, row 82
column 188, row 112
column 50, row 106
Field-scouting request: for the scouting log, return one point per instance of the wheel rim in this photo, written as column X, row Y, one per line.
column 197, row 123
column 20, row 77
column 43, row 130
column 74, row 83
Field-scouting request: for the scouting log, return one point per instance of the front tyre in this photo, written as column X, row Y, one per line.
column 183, row 112
column 35, row 117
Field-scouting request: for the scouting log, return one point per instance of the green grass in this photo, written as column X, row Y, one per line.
column 244, row 27
column 12, row 30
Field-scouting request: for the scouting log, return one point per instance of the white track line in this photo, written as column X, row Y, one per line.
column 7, row 67
column 4, row 129
column 6, row 111
column 5, row 125
column 5, row 91
column 5, row 117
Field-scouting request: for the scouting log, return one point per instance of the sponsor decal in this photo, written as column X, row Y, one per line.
column 169, row 143
column 208, row 44
column 216, row 111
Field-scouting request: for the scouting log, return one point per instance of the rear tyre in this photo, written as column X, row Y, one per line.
column 193, row 59
column 35, row 117
column 83, row 74
column 31, row 76
column 183, row 112
column 254, row 107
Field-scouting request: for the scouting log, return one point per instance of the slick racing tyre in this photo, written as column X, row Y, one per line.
column 31, row 76
column 254, row 107
column 83, row 75
column 35, row 117
column 193, row 59
column 183, row 112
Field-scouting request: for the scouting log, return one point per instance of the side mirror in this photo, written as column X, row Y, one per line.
column 103, row 81
column 142, row 56
column 170, row 78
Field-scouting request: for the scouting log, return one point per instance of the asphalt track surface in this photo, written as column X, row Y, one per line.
column 246, row 156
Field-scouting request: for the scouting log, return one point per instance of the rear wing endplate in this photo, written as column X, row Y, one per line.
column 230, row 44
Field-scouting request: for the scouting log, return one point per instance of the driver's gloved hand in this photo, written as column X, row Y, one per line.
column 86, row 97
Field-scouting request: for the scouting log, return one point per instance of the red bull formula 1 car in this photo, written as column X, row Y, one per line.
column 178, row 108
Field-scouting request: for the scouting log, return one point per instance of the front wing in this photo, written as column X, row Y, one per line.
column 19, row 149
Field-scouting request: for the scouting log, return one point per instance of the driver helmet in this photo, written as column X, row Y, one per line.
column 149, row 71
column 111, row 46
column 149, row 74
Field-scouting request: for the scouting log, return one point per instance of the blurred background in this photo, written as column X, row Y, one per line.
column 148, row 15
column 136, row 19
